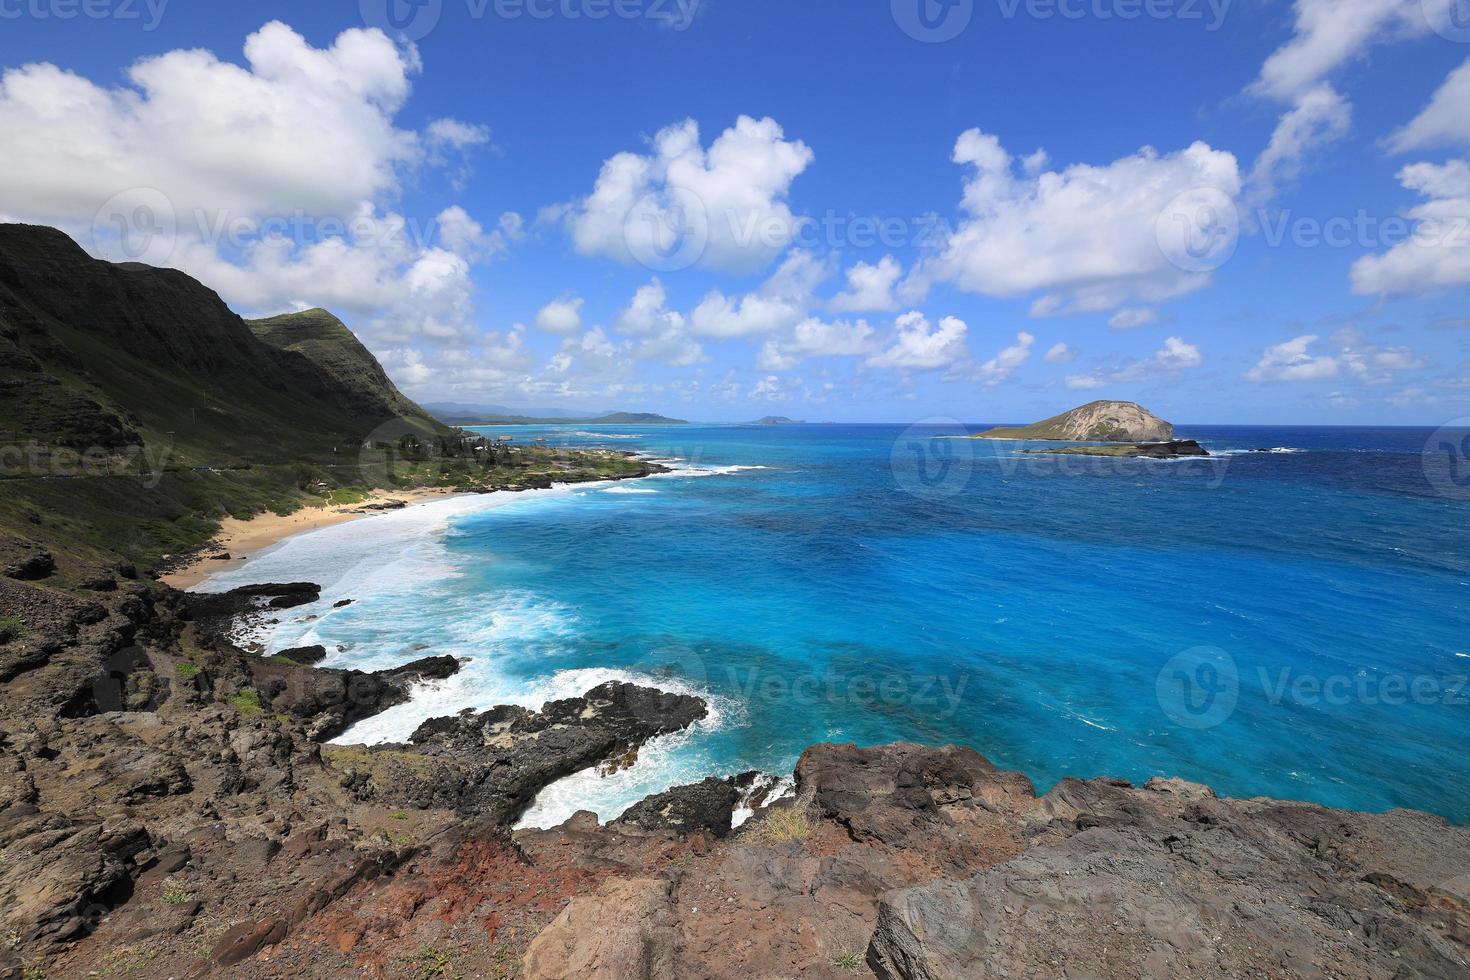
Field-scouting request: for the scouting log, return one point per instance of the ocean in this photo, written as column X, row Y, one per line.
column 1288, row 623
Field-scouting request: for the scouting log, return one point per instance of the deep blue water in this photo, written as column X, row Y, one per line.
column 1291, row 624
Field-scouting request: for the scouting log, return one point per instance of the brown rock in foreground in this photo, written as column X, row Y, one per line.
column 167, row 809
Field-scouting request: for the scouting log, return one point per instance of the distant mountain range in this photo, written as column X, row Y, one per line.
column 612, row 418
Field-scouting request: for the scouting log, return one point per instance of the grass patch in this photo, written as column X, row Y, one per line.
column 174, row 895
column 848, row 961
column 186, row 671
column 781, row 825
column 286, row 661
column 11, row 628
column 247, row 702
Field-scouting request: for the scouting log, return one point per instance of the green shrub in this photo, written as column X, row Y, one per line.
column 186, row 671
column 247, row 702
column 11, row 628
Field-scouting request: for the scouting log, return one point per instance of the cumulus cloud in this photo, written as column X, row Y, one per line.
column 918, row 345
column 296, row 128
column 663, row 330
column 1293, row 361
column 265, row 180
column 1173, row 357
column 814, row 338
column 1060, row 353
column 869, row 287
column 781, row 302
column 1004, row 364
column 1437, row 254
column 1085, row 236
column 561, row 316
column 729, row 200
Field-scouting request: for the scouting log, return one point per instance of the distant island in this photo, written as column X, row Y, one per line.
column 615, row 418
column 777, row 420
column 1099, row 421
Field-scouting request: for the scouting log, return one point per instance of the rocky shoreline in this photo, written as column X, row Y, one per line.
column 169, row 806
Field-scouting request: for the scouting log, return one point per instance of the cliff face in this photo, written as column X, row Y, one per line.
column 96, row 353
column 1099, row 421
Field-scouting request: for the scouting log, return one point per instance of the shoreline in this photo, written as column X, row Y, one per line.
column 244, row 539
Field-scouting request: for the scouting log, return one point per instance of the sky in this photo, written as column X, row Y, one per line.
column 1231, row 211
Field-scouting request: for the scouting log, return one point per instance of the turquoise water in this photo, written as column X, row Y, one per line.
column 1290, row 623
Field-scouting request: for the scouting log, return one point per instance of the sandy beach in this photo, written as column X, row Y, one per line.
column 243, row 539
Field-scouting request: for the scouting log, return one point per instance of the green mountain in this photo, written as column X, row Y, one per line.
column 326, row 342
column 136, row 408
column 1099, row 421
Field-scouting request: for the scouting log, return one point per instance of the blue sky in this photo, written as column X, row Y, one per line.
column 820, row 215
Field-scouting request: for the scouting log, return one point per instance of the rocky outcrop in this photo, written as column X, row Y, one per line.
column 707, row 806
column 1177, row 449
column 1099, row 421
column 506, row 755
column 167, row 807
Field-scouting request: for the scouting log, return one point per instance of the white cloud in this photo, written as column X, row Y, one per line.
column 1133, row 316
column 869, row 287
column 1176, row 355
column 457, row 134
column 1318, row 117
column 752, row 314
column 561, row 316
column 1330, row 33
column 264, row 180
column 649, row 312
column 1436, row 255
column 781, row 303
column 1445, row 121
column 733, row 195
column 1060, row 353
column 1367, row 363
column 1292, row 361
column 1003, row 365
column 814, row 338
column 919, row 346
column 298, row 128
column 1086, row 235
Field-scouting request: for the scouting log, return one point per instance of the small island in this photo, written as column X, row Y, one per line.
column 777, row 420
column 1099, row 421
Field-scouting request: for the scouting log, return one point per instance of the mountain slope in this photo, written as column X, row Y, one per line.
column 136, row 409
column 325, row 341
column 1099, row 421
